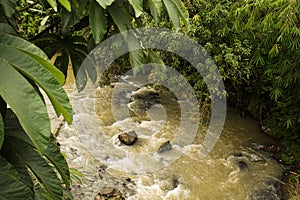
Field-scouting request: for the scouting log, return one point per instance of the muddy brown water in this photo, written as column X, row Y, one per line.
column 234, row 169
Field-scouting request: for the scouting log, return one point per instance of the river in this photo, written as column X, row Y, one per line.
column 236, row 168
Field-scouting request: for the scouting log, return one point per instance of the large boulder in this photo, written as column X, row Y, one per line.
column 142, row 99
column 128, row 138
column 271, row 192
column 166, row 146
column 109, row 193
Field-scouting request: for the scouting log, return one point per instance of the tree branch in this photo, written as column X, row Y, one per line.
column 45, row 30
column 27, row 7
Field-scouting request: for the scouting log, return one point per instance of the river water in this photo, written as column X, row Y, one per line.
column 236, row 168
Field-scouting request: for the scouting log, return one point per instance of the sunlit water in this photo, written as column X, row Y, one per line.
column 91, row 145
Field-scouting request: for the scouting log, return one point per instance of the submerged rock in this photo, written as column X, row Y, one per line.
column 146, row 94
column 166, row 146
column 109, row 193
column 252, row 157
column 243, row 166
column 237, row 154
column 128, row 138
column 256, row 158
column 169, row 183
column 272, row 192
column 142, row 99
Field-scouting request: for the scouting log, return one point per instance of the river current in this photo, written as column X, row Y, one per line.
column 236, row 168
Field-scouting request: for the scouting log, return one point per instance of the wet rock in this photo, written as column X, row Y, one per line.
column 243, row 166
column 109, row 193
column 256, row 158
column 268, row 150
column 252, row 157
column 238, row 154
column 128, row 138
column 142, row 100
column 271, row 192
column 146, row 94
column 102, row 168
column 166, row 146
column 169, row 184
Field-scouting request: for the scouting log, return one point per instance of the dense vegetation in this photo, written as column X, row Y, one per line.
column 31, row 164
column 255, row 45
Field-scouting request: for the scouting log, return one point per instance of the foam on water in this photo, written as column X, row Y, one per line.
column 92, row 140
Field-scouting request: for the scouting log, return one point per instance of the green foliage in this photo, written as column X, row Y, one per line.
column 94, row 21
column 29, row 155
column 255, row 45
column 31, row 165
column 274, row 30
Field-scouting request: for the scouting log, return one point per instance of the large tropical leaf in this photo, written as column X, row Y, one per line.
column 26, row 103
column 37, row 165
column 53, row 154
column 156, row 8
column 69, row 46
column 20, row 43
column 46, row 43
column 136, row 55
column 29, row 67
column 120, row 17
column 69, row 19
column 26, row 46
column 3, row 108
column 58, row 160
column 1, row 131
column 6, row 28
column 98, row 21
column 13, row 127
column 10, row 185
column 53, row 4
column 8, row 6
column 66, row 4
column 73, row 49
column 62, row 62
column 137, row 6
column 105, row 3
column 177, row 12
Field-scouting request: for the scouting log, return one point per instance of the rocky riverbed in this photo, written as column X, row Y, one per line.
column 239, row 167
